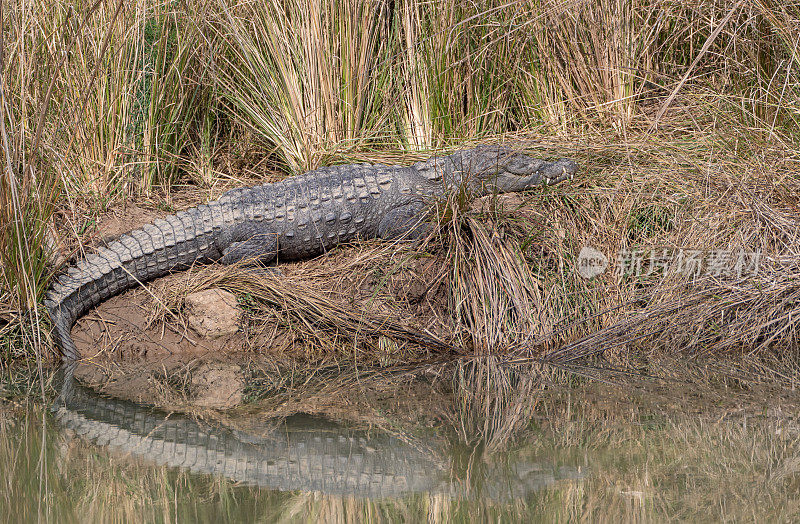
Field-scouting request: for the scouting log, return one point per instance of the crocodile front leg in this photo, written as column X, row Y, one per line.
column 404, row 221
column 249, row 242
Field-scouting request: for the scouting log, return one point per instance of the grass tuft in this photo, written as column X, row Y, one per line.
column 685, row 127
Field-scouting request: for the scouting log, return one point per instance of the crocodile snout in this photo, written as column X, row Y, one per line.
column 563, row 169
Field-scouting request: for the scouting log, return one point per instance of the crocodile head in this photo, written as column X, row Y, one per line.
column 487, row 169
column 497, row 168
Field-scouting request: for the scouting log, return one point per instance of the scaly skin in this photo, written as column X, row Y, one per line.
column 296, row 218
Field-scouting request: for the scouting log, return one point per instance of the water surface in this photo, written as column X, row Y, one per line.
column 585, row 456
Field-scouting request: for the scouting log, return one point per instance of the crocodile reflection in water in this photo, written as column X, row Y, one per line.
column 301, row 453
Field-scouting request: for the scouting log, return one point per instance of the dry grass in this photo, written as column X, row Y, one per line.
column 308, row 306
column 725, row 205
column 686, row 131
column 312, row 92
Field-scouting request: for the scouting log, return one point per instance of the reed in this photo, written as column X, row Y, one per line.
column 675, row 110
column 314, row 90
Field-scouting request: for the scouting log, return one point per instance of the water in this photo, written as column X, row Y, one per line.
column 596, row 455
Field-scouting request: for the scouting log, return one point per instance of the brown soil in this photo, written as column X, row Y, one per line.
column 119, row 220
column 150, row 323
column 122, row 328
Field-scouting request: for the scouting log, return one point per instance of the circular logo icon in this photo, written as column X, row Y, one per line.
column 591, row 262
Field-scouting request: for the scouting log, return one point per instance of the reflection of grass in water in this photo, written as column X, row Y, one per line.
column 639, row 465
column 725, row 465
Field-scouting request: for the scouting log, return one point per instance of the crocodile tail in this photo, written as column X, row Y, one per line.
column 62, row 323
column 139, row 256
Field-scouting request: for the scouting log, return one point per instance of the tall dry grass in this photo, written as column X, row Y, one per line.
column 108, row 101
column 309, row 79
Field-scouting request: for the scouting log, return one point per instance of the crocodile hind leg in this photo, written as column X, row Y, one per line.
column 251, row 244
column 260, row 249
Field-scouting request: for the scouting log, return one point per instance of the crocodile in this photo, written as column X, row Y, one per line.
column 298, row 453
column 296, row 218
